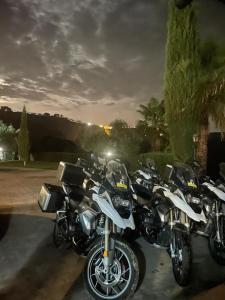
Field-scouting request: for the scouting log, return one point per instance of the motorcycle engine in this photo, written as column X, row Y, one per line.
column 88, row 220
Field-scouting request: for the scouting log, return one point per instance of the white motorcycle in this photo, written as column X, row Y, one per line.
column 207, row 199
column 92, row 211
column 215, row 212
column 111, row 270
column 164, row 218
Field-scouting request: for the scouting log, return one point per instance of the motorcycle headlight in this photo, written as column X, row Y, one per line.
column 208, row 204
column 120, row 202
column 195, row 200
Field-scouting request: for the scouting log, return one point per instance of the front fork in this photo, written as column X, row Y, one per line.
column 184, row 220
column 109, row 245
column 219, row 228
column 171, row 224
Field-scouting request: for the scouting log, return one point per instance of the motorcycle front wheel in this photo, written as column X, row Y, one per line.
column 182, row 258
column 120, row 280
column 217, row 249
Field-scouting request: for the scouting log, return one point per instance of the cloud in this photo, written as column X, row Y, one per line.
column 77, row 55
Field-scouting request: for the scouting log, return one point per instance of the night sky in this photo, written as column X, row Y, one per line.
column 90, row 60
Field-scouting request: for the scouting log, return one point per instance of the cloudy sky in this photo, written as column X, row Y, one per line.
column 90, row 60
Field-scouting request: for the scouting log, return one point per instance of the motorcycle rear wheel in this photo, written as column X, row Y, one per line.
column 59, row 239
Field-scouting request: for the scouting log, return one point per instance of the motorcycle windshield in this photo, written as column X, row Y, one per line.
column 185, row 176
column 116, row 176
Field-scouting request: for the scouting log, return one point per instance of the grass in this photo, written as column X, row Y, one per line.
column 32, row 164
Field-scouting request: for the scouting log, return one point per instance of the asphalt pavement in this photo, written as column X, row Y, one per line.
column 33, row 269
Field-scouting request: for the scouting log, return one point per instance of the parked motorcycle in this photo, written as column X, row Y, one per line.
column 72, row 207
column 214, row 206
column 98, row 220
column 111, row 271
column 163, row 217
column 208, row 200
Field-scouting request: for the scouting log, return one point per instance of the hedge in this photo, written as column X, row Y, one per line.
column 160, row 158
column 57, row 156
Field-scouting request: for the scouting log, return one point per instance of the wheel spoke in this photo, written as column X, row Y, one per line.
column 108, row 291
column 117, row 292
column 120, row 257
column 123, row 279
column 124, row 272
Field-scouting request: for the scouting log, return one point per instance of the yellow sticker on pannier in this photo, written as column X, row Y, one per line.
column 121, row 185
column 192, row 184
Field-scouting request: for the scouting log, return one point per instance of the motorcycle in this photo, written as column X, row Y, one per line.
column 72, row 208
column 214, row 207
column 163, row 217
column 111, row 270
column 99, row 218
column 207, row 199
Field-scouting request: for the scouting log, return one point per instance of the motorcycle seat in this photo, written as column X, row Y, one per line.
column 143, row 192
column 74, row 203
column 76, row 194
column 142, row 201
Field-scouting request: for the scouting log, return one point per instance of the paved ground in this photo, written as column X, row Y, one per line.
column 20, row 187
column 32, row 269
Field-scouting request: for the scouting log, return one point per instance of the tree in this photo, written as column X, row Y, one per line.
column 23, row 138
column 181, row 80
column 125, row 140
column 118, row 124
column 94, row 139
column 210, row 100
column 154, row 125
column 7, row 139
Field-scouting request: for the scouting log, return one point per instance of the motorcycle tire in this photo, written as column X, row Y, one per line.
column 58, row 239
column 216, row 250
column 182, row 267
column 122, row 278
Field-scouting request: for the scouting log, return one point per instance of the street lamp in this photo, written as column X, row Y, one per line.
column 1, row 153
column 195, row 140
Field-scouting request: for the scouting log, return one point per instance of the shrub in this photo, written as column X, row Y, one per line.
column 58, row 156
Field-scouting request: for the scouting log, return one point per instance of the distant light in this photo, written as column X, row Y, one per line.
column 109, row 153
column 101, row 126
column 18, row 42
column 89, row 124
column 1, row 149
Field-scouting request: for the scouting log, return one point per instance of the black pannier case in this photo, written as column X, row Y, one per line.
column 71, row 174
column 51, row 198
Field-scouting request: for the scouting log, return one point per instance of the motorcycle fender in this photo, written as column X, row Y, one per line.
column 182, row 205
column 111, row 212
column 220, row 194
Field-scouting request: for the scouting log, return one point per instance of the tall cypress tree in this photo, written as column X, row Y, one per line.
column 181, row 79
column 23, row 138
